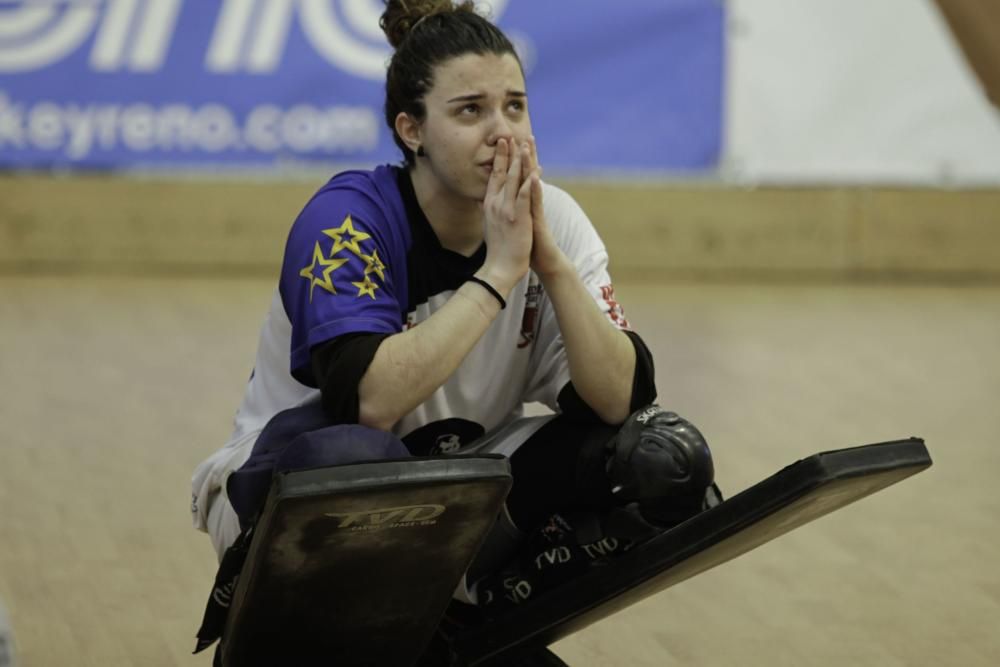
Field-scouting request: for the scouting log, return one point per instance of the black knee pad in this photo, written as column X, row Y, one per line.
column 662, row 462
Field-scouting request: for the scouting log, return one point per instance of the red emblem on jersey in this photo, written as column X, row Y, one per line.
column 529, row 320
column 615, row 310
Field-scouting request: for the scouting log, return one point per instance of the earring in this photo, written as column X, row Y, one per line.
column 420, row 151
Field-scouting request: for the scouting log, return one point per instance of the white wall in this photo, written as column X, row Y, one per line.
column 854, row 91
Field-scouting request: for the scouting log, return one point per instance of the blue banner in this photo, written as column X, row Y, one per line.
column 176, row 84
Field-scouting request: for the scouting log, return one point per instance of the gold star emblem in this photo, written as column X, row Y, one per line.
column 366, row 288
column 375, row 265
column 324, row 279
column 346, row 229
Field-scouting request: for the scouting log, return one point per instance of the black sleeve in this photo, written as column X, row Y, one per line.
column 338, row 366
column 644, row 378
column 643, row 386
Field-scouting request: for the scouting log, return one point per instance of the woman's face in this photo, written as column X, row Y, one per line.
column 475, row 100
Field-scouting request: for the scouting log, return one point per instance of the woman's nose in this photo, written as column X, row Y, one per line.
column 500, row 129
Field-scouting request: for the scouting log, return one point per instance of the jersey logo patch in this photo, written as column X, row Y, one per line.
column 447, row 444
column 346, row 242
column 444, row 436
column 529, row 320
column 615, row 311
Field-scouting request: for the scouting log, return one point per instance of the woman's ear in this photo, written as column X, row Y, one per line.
column 408, row 130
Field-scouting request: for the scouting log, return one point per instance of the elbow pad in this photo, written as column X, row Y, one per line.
column 337, row 367
column 643, row 386
column 644, row 378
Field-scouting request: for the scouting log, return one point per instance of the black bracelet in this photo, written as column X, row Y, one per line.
column 489, row 288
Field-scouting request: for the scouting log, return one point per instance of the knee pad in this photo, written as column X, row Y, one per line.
column 662, row 462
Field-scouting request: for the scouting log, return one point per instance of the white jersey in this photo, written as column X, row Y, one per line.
column 379, row 252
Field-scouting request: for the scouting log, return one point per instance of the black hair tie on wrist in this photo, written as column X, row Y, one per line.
column 489, row 288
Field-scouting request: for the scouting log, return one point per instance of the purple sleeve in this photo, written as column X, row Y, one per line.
column 344, row 269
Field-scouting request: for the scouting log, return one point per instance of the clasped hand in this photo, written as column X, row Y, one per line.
column 517, row 236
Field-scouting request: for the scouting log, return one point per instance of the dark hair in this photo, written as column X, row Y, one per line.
column 426, row 33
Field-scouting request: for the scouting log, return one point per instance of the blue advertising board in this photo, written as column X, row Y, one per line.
column 626, row 86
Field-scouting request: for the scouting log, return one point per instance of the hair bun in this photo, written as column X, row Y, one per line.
column 401, row 16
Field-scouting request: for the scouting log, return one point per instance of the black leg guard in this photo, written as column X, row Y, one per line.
column 795, row 495
column 561, row 467
column 585, row 493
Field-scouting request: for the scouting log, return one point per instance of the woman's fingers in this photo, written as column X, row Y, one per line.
column 513, row 183
column 530, row 163
column 498, row 175
column 526, row 187
column 525, row 197
column 526, row 160
column 537, row 212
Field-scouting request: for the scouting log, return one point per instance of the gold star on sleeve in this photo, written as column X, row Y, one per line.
column 327, row 266
column 354, row 237
column 366, row 288
column 374, row 265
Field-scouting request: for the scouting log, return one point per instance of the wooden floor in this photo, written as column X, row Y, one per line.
column 113, row 389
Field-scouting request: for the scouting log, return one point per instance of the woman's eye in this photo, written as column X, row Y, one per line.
column 516, row 105
column 470, row 109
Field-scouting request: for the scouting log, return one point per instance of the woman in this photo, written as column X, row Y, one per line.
column 434, row 299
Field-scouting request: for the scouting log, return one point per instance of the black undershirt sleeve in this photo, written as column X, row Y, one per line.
column 643, row 386
column 338, row 366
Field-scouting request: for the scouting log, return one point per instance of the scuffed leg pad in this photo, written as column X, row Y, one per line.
column 355, row 564
column 796, row 495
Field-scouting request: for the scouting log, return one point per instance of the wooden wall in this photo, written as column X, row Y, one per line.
column 100, row 224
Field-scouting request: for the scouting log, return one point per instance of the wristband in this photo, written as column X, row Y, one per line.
column 489, row 288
